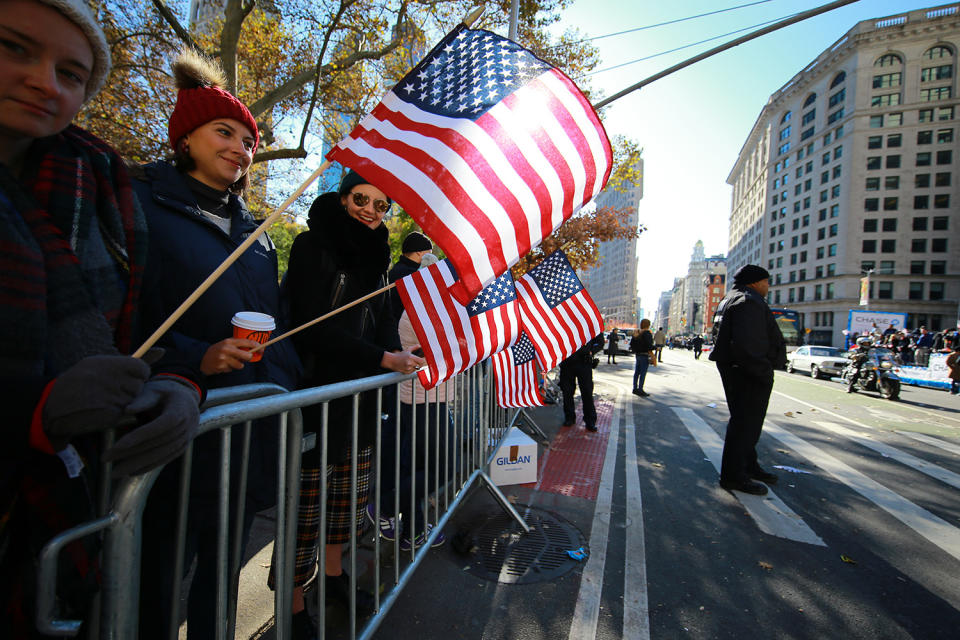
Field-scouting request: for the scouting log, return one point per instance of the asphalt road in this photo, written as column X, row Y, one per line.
column 859, row 539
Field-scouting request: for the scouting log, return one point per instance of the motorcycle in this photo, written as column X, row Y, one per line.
column 876, row 375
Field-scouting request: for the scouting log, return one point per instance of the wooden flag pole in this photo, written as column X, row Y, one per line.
column 324, row 317
column 186, row 304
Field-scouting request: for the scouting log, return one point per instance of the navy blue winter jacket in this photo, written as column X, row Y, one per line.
column 185, row 247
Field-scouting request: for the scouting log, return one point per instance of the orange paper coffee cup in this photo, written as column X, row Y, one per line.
column 251, row 325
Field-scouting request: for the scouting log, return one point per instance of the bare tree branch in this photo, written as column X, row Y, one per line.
column 171, row 19
column 280, row 154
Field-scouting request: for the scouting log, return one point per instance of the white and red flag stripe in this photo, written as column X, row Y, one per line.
column 454, row 337
column 556, row 311
column 487, row 147
column 515, row 372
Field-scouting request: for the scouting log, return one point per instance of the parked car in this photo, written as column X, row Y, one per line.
column 819, row 362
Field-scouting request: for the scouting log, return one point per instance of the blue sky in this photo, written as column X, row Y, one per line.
column 693, row 123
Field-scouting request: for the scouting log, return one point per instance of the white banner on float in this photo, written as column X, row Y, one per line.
column 936, row 375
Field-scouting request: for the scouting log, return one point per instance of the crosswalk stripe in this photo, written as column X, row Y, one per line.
column 586, row 615
column 937, row 442
column 770, row 512
column 943, row 475
column 636, row 609
column 928, row 525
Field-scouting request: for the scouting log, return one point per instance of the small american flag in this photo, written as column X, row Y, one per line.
column 487, row 147
column 455, row 337
column 556, row 311
column 516, row 375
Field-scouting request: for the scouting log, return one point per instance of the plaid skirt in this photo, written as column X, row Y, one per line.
column 338, row 509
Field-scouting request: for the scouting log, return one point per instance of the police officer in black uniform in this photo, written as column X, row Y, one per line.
column 748, row 346
column 578, row 369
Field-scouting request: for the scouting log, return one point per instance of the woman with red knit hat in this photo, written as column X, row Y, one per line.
column 197, row 217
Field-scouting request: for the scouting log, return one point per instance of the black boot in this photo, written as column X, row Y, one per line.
column 338, row 590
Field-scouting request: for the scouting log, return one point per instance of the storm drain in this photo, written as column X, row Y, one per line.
column 503, row 553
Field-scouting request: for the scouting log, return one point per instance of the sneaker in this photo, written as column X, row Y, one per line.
column 637, row 392
column 643, row 393
column 422, row 539
column 388, row 526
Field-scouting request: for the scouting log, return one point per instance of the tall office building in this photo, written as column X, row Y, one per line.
column 851, row 169
column 662, row 319
column 612, row 283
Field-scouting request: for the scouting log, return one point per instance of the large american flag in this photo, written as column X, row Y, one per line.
column 515, row 372
column 556, row 311
column 455, row 337
column 487, row 147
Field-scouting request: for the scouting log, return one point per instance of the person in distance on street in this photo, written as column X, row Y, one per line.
column 578, row 369
column 642, row 346
column 697, row 343
column 748, row 346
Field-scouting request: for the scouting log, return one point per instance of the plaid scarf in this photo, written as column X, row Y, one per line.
column 72, row 251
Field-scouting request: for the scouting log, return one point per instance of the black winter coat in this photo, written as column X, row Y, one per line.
column 746, row 334
column 642, row 344
column 338, row 260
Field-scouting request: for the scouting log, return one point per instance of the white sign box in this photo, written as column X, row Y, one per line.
column 516, row 460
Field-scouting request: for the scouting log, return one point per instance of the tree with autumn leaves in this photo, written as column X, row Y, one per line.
column 309, row 70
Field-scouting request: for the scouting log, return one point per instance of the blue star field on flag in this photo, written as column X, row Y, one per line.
column 523, row 350
column 468, row 73
column 556, row 279
column 500, row 291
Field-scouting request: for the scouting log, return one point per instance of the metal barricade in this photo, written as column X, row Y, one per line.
column 457, row 446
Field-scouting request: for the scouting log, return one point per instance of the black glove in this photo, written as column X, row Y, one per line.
column 91, row 396
column 169, row 410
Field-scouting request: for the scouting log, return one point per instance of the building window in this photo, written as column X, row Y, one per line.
column 938, row 245
column 938, row 52
column 836, row 115
column 869, row 225
column 943, row 179
column 888, row 60
column 871, row 204
column 938, row 267
column 890, row 203
column 925, row 137
column 874, row 162
column 894, row 140
column 832, row 231
column 869, row 246
column 889, row 224
column 840, row 77
column 785, row 132
column 886, row 266
column 818, row 292
column 834, row 210
column 936, row 291
column 926, row 115
column 920, row 224
column 838, row 152
column 875, row 142
column 923, row 159
column 818, row 272
column 876, row 122
column 944, row 136
column 918, row 245
column 784, row 148
column 786, row 117
column 809, row 116
column 940, row 223
column 894, row 120
column 893, row 162
column 888, row 246
column 885, row 290
column 941, row 201
column 935, row 93
column 891, row 182
column 917, row 267
column 922, row 180
column 819, row 252
column 916, row 291
column 921, row 202
column 889, row 99
column 942, row 72
column 873, row 184
column 887, row 80
column 830, row 291
column 944, row 157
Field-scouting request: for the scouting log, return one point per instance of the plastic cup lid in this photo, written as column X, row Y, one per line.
column 254, row 321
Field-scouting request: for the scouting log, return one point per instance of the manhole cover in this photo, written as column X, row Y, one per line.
column 503, row 553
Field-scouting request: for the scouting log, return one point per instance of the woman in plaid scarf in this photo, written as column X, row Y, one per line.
column 72, row 245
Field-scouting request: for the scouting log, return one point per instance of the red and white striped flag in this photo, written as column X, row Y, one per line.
column 556, row 311
column 455, row 337
column 487, row 147
column 515, row 372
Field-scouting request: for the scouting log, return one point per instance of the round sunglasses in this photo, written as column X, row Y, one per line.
column 362, row 199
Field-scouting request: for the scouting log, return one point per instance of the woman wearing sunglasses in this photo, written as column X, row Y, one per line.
column 343, row 256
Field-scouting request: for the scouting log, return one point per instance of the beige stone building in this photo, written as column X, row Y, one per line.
column 852, row 169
